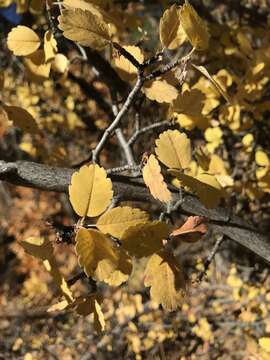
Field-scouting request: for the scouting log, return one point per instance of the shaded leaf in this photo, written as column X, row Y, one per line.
column 91, row 305
column 154, row 180
column 37, row 68
column 119, row 219
column 90, row 191
column 21, row 118
column 204, row 185
column 194, row 27
column 84, row 27
column 145, row 239
column 173, row 149
column 166, row 279
column 100, row 257
column 22, row 41
column 171, row 32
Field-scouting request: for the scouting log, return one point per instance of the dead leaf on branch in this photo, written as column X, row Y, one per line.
column 154, row 180
column 192, row 230
column 166, row 279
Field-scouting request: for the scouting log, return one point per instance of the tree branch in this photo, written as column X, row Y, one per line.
column 51, row 178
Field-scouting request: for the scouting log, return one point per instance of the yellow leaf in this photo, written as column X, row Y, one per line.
column 5, row 123
column 60, row 63
column 100, row 257
column 84, row 27
column 194, row 27
column 60, row 306
column 264, row 343
column 166, row 279
column 205, row 186
column 171, row 32
column 90, row 192
column 38, row 69
column 119, row 219
column 160, row 91
column 145, row 239
column 262, row 158
column 173, row 149
column 154, row 180
column 214, row 82
column 189, row 102
column 36, row 7
column 21, row 118
column 124, row 269
column 22, row 41
column 50, row 46
column 124, row 68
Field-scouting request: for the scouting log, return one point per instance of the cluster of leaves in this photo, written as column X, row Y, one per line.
column 123, row 233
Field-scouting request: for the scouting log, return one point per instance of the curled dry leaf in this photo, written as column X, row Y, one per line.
column 85, row 27
column 195, row 28
column 173, row 149
column 166, row 279
column 205, row 186
column 192, row 229
column 22, row 41
column 90, row 191
column 100, row 257
column 160, row 91
column 154, row 180
column 171, row 32
column 116, row 221
column 145, row 239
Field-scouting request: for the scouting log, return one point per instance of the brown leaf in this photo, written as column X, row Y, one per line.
column 192, row 229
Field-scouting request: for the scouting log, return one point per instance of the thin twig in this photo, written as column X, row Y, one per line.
column 209, row 258
column 146, row 129
column 131, row 97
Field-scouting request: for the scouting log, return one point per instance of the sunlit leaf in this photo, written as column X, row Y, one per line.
column 126, row 70
column 154, row 180
column 160, row 91
column 22, row 41
column 173, row 149
column 36, row 66
column 60, row 63
column 90, row 192
column 50, row 46
column 119, row 219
